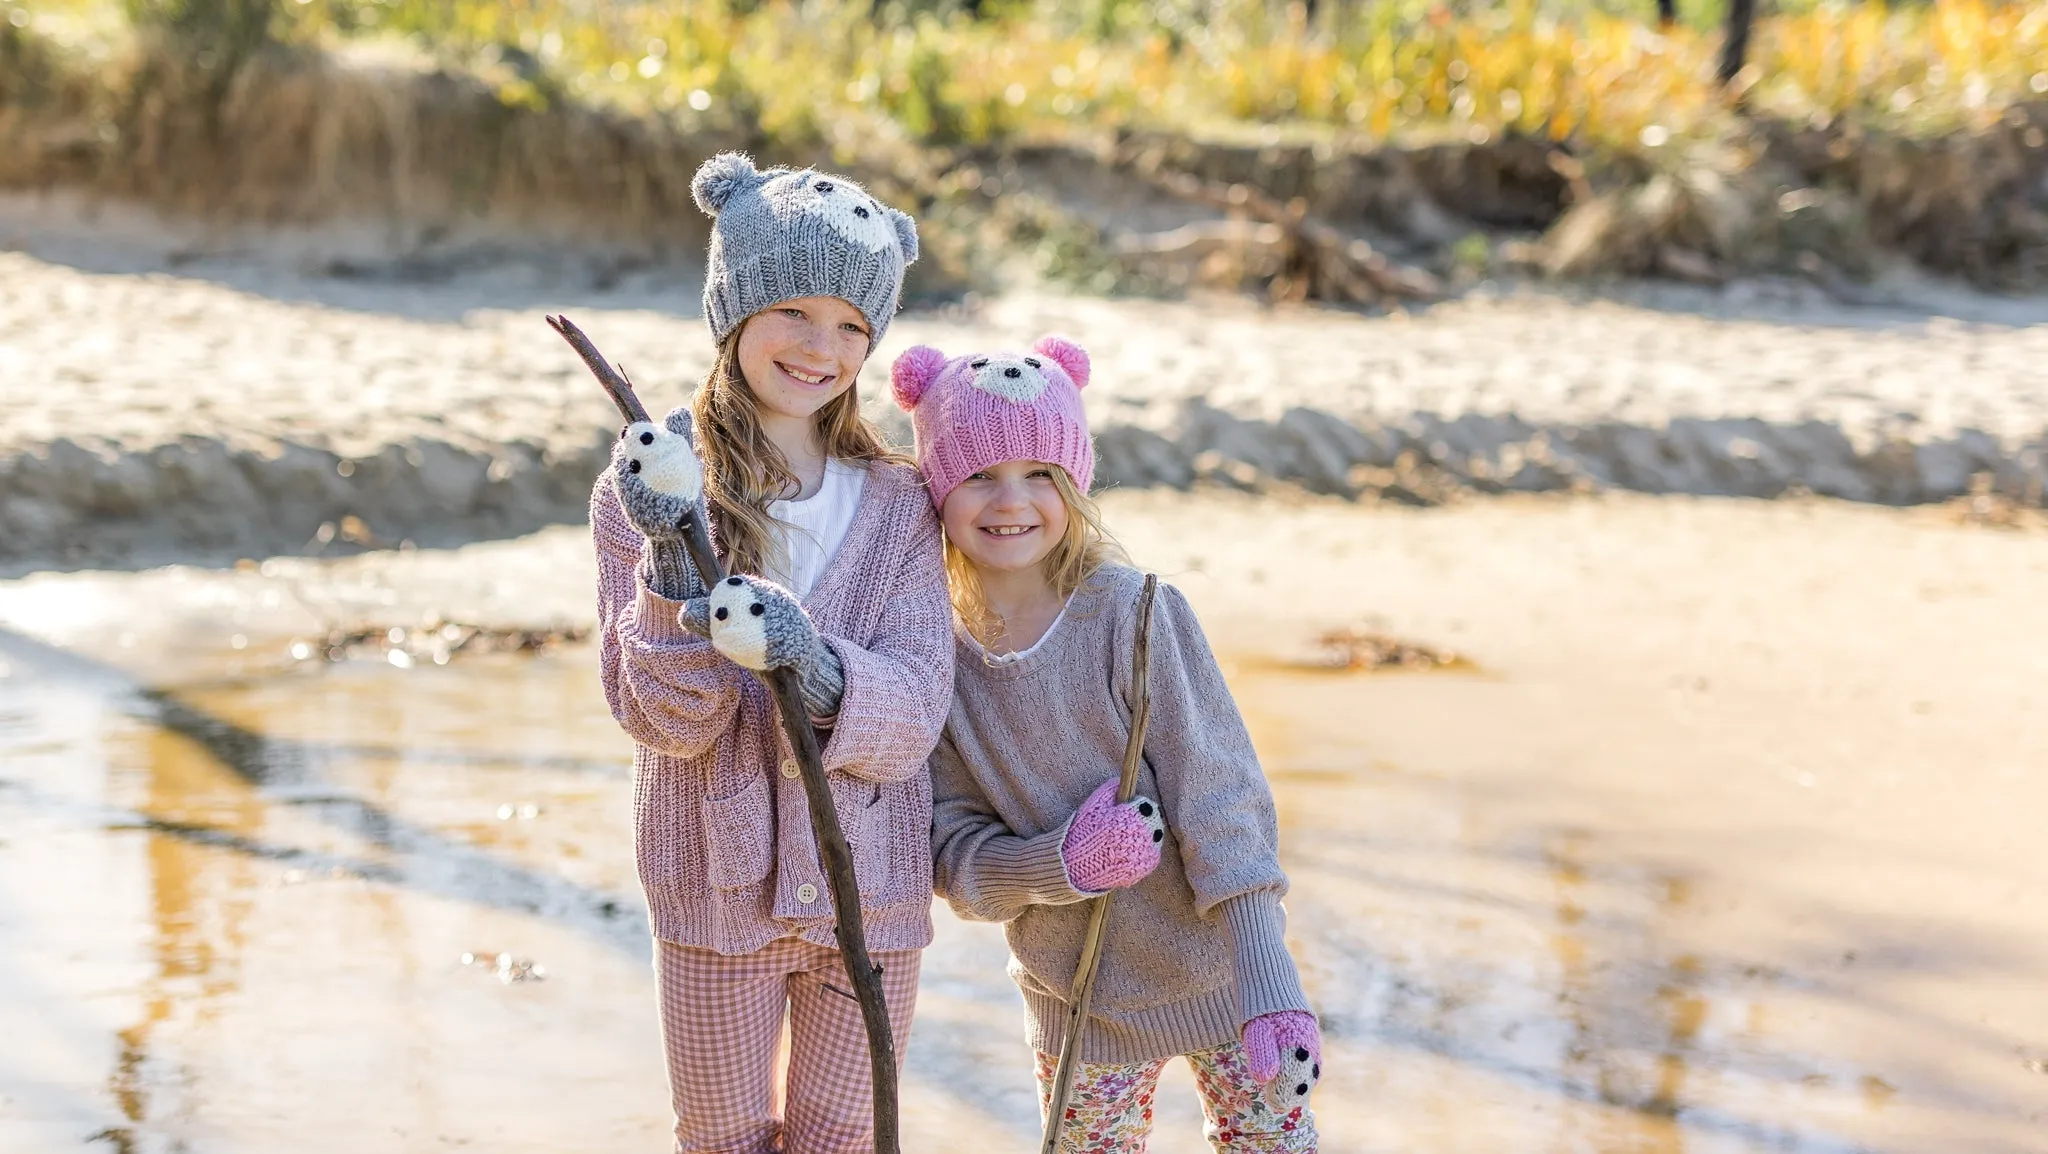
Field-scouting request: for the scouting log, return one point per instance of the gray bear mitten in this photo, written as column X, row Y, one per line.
column 660, row 484
column 762, row 626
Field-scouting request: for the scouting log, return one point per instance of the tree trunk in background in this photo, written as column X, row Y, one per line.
column 1667, row 13
column 1741, row 13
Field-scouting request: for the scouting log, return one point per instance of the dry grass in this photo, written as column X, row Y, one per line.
column 289, row 135
column 1561, row 70
column 828, row 71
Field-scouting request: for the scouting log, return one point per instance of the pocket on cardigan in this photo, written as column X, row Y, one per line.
column 864, row 815
column 736, row 836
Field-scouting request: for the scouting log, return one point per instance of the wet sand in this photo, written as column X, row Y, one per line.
column 1727, row 843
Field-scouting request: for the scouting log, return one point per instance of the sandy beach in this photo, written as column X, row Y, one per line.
column 174, row 400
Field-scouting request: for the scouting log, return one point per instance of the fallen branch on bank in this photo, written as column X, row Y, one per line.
column 1317, row 260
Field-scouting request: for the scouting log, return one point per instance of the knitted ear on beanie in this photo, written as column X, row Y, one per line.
column 1070, row 356
column 1110, row 846
column 913, row 372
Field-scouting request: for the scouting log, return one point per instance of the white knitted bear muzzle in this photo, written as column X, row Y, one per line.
column 1016, row 379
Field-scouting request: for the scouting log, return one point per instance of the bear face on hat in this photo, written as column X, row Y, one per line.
column 781, row 234
column 1010, row 376
column 977, row 410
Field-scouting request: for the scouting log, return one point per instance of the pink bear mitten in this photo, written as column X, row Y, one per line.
column 1110, row 846
column 1285, row 1054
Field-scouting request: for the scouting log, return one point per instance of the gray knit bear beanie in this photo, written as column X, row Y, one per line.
column 783, row 234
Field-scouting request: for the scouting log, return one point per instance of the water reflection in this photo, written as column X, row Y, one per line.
column 301, row 890
column 1509, row 942
column 310, row 854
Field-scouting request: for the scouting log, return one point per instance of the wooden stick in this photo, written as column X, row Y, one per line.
column 784, row 685
column 614, row 380
column 1083, row 990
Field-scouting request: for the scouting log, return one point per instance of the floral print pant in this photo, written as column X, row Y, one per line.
column 1110, row 1109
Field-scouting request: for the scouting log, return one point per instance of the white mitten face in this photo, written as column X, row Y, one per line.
column 1155, row 823
column 1299, row 1073
column 739, row 623
column 663, row 461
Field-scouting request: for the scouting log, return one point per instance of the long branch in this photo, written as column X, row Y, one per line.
column 1081, row 994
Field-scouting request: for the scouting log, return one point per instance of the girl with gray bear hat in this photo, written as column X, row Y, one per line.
column 839, row 574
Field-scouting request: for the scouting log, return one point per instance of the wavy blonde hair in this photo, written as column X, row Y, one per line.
column 1085, row 547
column 744, row 471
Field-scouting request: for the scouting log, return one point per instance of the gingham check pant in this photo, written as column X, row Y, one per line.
column 722, row 1021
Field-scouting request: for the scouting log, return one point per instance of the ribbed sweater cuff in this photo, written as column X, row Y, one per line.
column 659, row 617
column 1031, row 868
column 1267, row 982
column 665, row 568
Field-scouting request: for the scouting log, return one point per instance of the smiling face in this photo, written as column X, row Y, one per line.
column 1006, row 518
column 801, row 353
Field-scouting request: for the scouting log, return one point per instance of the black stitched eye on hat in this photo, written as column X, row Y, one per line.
column 861, row 213
column 978, row 364
column 1034, row 362
column 824, row 186
column 734, row 581
column 722, row 613
column 757, row 609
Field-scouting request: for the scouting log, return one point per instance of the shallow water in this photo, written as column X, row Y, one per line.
column 250, row 904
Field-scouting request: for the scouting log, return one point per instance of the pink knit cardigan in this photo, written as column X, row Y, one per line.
column 722, row 831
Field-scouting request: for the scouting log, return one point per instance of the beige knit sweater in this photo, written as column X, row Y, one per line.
column 1195, row 949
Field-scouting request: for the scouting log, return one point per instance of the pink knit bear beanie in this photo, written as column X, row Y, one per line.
column 981, row 409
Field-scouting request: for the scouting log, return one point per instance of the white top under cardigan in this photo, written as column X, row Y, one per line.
column 814, row 527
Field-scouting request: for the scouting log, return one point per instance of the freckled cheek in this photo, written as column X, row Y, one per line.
column 852, row 356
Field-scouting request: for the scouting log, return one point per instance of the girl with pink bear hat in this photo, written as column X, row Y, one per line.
column 1026, row 826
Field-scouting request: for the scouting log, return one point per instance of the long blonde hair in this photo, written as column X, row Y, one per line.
column 1085, row 547
column 744, row 471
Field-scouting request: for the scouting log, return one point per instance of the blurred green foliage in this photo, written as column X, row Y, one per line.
column 947, row 72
